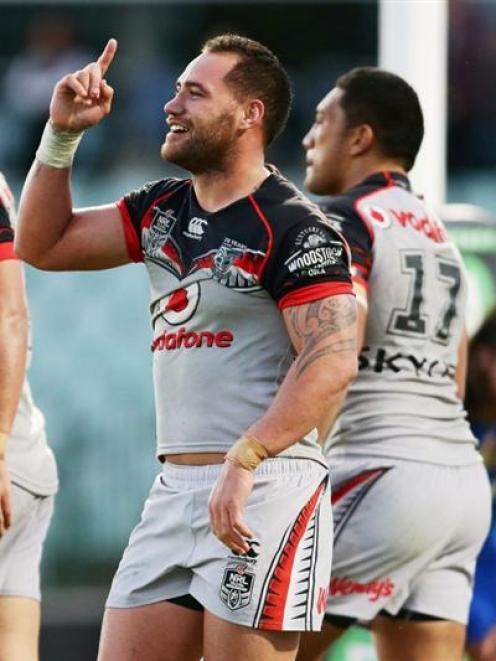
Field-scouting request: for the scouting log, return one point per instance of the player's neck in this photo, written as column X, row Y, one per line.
column 217, row 189
column 361, row 170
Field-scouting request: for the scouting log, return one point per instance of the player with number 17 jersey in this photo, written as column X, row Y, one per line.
column 403, row 425
column 404, row 403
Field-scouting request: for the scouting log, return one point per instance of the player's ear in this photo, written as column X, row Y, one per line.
column 253, row 114
column 362, row 139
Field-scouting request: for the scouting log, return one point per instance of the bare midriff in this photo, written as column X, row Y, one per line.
column 196, row 458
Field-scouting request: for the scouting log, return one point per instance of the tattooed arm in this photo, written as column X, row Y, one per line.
column 324, row 337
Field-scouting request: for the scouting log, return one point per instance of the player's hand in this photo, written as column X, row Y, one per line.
column 226, row 504
column 83, row 98
column 5, row 501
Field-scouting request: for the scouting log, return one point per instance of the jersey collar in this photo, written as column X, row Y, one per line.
column 388, row 178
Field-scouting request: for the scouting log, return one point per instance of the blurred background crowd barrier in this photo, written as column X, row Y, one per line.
column 91, row 372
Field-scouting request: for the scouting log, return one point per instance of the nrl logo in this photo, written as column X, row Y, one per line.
column 159, row 231
column 237, row 586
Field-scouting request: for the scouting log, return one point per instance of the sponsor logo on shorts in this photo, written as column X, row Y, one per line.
column 321, row 601
column 342, row 586
column 237, row 585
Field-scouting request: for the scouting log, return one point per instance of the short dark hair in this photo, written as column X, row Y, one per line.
column 258, row 74
column 389, row 105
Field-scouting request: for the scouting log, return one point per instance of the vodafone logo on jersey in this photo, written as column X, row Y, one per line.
column 181, row 305
column 178, row 308
column 377, row 216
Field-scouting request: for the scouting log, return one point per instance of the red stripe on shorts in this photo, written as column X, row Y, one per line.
column 345, row 488
column 277, row 593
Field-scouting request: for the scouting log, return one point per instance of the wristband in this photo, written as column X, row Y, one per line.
column 57, row 148
column 247, row 452
column 3, row 444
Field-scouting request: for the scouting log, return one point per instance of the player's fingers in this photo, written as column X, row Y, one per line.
column 95, row 79
column 236, row 538
column 106, row 95
column 76, row 84
column 105, row 59
column 214, row 518
column 7, row 509
column 224, row 531
column 241, row 527
column 106, row 91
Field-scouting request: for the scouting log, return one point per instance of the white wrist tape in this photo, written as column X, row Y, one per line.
column 57, row 148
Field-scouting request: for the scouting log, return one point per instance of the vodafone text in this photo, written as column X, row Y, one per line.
column 425, row 225
column 183, row 339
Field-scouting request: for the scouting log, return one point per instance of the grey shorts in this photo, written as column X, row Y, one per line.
column 280, row 584
column 406, row 536
column 22, row 544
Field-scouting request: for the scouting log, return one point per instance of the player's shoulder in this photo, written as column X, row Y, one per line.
column 286, row 207
column 157, row 189
column 347, row 209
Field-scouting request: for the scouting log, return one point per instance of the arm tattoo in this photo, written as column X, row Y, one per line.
column 316, row 323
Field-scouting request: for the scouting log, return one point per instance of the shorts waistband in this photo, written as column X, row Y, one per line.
column 195, row 475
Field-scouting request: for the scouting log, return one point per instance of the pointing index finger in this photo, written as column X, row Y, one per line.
column 105, row 59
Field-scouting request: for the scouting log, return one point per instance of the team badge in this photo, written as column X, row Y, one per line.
column 237, row 585
column 223, row 259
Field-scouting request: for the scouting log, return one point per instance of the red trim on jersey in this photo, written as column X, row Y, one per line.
column 314, row 293
column 7, row 250
column 264, row 220
column 359, row 280
column 132, row 242
column 387, row 176
column 147, row 217
column 272, row 617
column 343, row 489
column 390, row 184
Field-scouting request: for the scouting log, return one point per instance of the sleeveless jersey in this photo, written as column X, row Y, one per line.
column 29, row 460
column 403, row 402
column 218, row 283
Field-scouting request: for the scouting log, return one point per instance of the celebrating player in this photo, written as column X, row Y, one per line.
column 244, row 272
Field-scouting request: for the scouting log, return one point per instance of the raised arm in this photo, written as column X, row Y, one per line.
column 50, row 233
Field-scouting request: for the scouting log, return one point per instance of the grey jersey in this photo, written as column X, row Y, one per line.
column 219, row 282
column 403, row 402
column 30, row 461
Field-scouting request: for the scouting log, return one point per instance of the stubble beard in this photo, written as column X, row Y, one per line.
column 207, row 149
